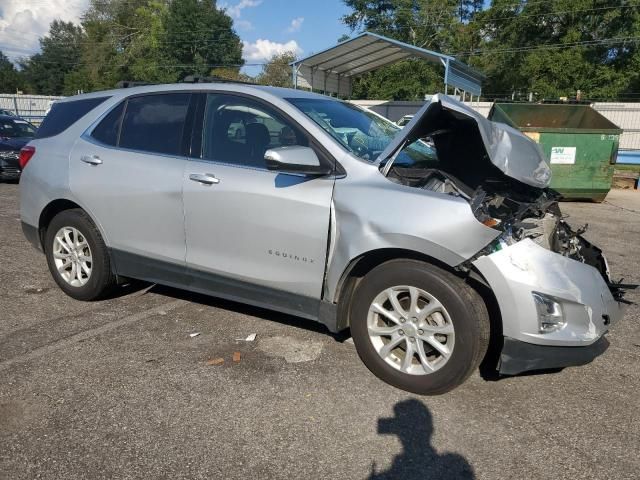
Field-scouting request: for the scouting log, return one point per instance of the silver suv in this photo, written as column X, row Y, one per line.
column 428, row 242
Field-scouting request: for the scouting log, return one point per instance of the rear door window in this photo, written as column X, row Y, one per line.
column 65, row 114
column 155, row 123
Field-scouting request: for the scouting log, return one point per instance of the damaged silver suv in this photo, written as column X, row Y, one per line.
column 428, row 242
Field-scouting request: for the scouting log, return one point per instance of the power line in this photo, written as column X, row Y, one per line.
column 552, row 46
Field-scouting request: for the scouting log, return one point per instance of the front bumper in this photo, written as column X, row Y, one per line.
column 518, row 357
column 516, row 271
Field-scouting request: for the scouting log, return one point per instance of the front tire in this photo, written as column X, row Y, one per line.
column 418, row 327
column 77, row 256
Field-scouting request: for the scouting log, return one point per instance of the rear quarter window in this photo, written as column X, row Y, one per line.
column 108, row 129
column 65, row 114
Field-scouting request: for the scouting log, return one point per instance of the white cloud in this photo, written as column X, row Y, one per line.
column 262, row 49
column 245, row 25
column 235, row 11
column 296, row 24
column 23, row 23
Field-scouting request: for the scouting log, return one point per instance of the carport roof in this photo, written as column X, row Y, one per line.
column 331, row 70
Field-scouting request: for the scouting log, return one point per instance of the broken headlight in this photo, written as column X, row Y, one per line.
column 550, row 315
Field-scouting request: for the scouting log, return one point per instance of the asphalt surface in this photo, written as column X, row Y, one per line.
column 119, row 389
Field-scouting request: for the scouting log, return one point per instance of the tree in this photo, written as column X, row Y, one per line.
column 158, row 41
column 45, row 72
column 200, row 37
column 277, row 71
column 431, row 25
column 9, row 77
column 556, row 48
column 550, row 48
column 126, row 40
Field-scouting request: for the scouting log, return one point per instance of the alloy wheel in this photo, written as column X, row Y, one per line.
column 72, row 256
column 410, row 330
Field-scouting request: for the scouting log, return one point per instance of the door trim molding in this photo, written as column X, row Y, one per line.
column 163, row 272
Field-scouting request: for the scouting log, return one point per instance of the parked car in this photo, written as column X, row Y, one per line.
column 8, row 113
column 404, row 120
column 14, row 134
column 409, row 246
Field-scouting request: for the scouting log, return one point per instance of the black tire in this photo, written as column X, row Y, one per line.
column 102, row 279
column 466, row 309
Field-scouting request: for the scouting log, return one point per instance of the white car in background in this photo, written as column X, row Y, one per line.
column 404, row 120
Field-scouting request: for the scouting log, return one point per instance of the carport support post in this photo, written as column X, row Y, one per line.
column 294, row 75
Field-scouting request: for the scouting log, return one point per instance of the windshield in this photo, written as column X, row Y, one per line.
column 363, row 133
column 16, row 129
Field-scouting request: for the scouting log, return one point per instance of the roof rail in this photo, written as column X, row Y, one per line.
column 131, row 84
column 212, row 79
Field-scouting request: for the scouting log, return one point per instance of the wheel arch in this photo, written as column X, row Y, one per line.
column 364, row 263
column 56, row 206
column 359, row 266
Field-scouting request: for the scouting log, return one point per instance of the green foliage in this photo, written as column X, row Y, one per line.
column 45, row 72
column 551, row 48
column 157, row 41
column 10, row 80
column 555, row 48
column 407, row 80
column 426, row 24
column 200, row 37
column 277, row 71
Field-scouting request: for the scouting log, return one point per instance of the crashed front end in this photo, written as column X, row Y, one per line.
column 554, row 290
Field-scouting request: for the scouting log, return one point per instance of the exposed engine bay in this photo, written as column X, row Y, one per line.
column 460, row 166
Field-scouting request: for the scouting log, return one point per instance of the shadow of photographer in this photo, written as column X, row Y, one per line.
column 413, row 424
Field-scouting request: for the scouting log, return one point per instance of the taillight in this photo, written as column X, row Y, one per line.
column 25, row 155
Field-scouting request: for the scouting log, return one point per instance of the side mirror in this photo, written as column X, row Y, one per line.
column 295, row 159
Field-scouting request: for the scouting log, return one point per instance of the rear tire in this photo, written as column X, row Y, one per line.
column 77, row 256
column 406, row 346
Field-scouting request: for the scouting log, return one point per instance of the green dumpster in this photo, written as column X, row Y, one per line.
column 579, row 143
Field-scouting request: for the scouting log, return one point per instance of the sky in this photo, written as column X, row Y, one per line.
column 265, row 26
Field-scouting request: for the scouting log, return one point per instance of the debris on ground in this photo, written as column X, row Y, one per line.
column 250, row 338
column 291, row 349
column 193, row 335
column 236, row 357
column 215, row 361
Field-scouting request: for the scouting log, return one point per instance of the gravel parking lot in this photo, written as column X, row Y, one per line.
column 120, row 389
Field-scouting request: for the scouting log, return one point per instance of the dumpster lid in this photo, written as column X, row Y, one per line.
column 567, row 118
column 512, row 152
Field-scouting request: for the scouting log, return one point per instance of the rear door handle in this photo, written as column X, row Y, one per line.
column 204, row 178
column 91, row 159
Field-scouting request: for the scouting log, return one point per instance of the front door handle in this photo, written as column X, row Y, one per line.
column 204, row 178
column 91, row 159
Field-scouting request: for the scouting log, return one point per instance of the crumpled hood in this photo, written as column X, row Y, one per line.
column 513, row 153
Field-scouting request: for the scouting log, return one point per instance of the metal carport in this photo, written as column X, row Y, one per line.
column 332, row 70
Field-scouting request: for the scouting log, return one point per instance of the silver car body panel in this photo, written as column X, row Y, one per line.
column 373, row 213
column 136, row 197
column 258, row 226
column 148, row 210
column 524, row 267
column 508, row 149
